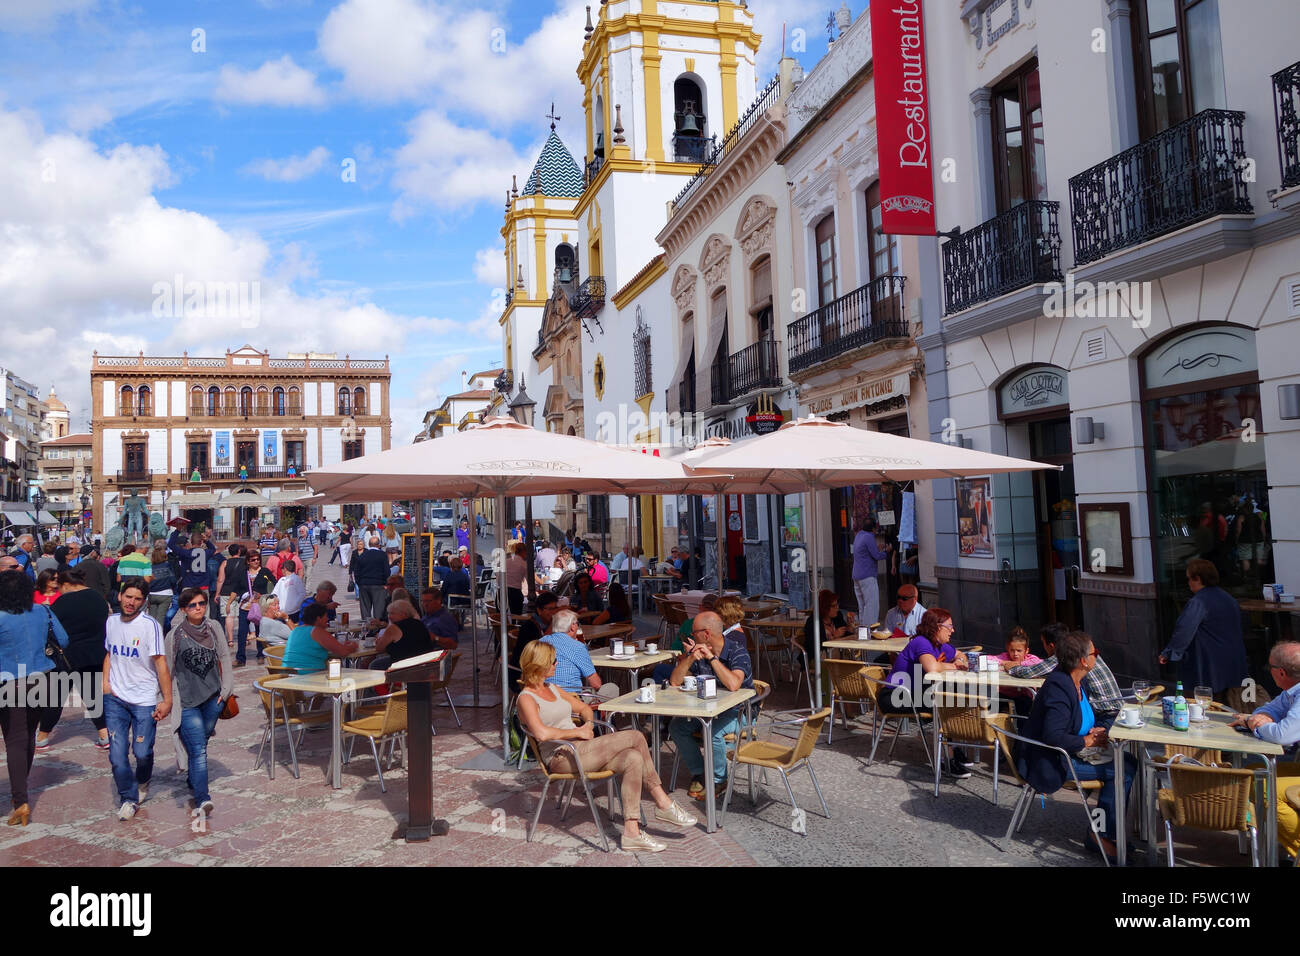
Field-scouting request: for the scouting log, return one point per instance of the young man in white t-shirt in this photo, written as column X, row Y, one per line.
column 135, row 671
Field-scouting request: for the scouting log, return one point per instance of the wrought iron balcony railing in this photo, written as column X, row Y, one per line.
column 592, row 170
column 686, row 394
column 719, row 385
column 753, row 367
column 211, row 473
column 134, row 474
column 868, row 314
column 1020, row 247
column 1187, row 173
column 1286, row 105
column 765, row 99
column 589, row 297
column 222, row 410
column 693, row 149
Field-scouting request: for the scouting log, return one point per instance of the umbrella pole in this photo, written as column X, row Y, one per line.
column 473, row 590
column 503, row 612
column 815, row 610
column 719, row 529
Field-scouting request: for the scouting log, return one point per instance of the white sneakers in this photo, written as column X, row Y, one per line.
column 144, row 792
column 642, row 843
column 127, row 811
column 206, row 808
column 675, row 815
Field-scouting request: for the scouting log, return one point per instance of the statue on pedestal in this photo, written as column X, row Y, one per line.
column 135, row 513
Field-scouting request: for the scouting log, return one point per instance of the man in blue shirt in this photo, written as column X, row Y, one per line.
column 1278, row 722
column 707, row 653
column 22, row 553
column 573, row 665
column 441, row 624
column 1207, row 641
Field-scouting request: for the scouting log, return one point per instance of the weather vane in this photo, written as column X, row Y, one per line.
column 552, row 117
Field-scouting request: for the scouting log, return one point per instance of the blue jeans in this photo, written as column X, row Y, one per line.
column 241, row 654
column 682, row 730
column 1106, row 796
column 129, row 725
column 171, row 612
column 197, row 725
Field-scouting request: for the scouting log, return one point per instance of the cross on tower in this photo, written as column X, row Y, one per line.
column 552, row 117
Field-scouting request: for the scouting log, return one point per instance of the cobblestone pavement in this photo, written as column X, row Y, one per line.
column 883, row 814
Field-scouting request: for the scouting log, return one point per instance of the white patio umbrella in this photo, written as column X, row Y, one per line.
column 812, row 454
column 500, row 458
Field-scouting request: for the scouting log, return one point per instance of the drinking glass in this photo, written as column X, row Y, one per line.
column 1204, row 696
column 1141, row 691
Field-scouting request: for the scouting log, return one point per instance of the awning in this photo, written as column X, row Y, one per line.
column 287, row 497
column 245, row 498
column 196, row 499
column 22, row 513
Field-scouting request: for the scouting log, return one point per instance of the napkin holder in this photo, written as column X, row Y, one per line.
column 706, row 688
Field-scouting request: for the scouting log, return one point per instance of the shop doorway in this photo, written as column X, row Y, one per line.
column 1056, row 524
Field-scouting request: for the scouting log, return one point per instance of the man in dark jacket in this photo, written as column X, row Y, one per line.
column 1207, row 639
column 95, row 571
column 370, row 571
column 1063, row 718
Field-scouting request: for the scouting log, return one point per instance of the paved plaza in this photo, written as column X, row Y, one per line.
column 882, row 814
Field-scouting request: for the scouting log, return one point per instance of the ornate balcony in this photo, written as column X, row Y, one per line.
column 589, row 297
column 866, row 315
column 754, row 367
column 1020, row 247
column 226, row 473
column 132, row 475
column 1189, row 172
column 1286, row 103
column 686, row 394
column 692, row 149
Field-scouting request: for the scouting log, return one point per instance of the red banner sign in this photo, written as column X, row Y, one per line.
column 902, row 118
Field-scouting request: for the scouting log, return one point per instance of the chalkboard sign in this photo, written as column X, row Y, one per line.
column 417, row 562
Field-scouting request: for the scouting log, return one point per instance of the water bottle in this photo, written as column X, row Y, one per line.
column 1181, row 715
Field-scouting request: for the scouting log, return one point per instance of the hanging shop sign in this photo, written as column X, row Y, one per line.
column 870, row 393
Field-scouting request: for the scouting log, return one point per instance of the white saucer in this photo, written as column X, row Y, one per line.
column 621, row 657
column 1136, row 726
column 1203, row 720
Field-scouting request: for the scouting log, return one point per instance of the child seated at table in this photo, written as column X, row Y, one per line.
column 1017, row 655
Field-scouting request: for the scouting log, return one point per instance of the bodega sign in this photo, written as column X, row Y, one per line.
column 902, row 118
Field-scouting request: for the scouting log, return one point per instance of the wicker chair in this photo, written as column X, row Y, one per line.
column 444, row 683
column 1021, row 809
column 389, row 727
column 565, row 779
column 274, row 653
column 848, row 686
column 875, row 679
column 283, row 709
column 746, row 731
column 968, row 726
column 773, row 755
column 1208, row 798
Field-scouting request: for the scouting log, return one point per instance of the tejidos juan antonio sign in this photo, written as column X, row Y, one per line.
column 902, row 118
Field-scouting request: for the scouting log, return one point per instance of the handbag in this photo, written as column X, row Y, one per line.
column 230, row 708
column 52, row 649
column 352, row 586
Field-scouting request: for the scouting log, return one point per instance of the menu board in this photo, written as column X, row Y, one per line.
column 417, row 562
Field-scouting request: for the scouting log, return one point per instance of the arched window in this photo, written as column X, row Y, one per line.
column 690, row 126
column 126, row 401
column 263, row 400
column 214, row 400
column 566, row 262
column 295, row 401
column 196, row 400
column 228, row 405
column 599, row 117
column 246, row 400
column 345, row 401
column 359, row 401
column 761, row 299
column 277, row 400
column 144, row 400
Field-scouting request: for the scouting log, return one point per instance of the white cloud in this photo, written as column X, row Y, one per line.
column 38, row 14
column 489, row 265
column 392, row 50
column 84, row 241
column 291, row 169
column 279, row 82
column 448, row 166
column 85, row 117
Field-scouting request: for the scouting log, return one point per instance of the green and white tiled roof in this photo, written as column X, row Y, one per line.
column 557, row 173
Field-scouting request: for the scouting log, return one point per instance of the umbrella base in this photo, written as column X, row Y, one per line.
column 484, row 700
column 423, row 834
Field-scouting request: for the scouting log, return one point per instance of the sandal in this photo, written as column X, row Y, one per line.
column 696, row 790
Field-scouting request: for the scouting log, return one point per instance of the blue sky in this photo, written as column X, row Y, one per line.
column 133, row 156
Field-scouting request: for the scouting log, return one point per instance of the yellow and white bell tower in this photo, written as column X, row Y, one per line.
column 661, row 79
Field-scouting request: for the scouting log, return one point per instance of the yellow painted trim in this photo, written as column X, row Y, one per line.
column 690, row 64
column 654, row 132
column 617, row 165
column 539, row 244
column 643, row 402
column 626, row 296
column 726, row 25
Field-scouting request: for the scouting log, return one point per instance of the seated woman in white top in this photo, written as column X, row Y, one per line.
column 547, row 711
column 275, row 626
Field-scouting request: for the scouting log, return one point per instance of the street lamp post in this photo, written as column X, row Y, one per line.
column 522, row 410
column 38, row 502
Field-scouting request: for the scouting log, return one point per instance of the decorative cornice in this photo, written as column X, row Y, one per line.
column 715, row 261
column 683, row 289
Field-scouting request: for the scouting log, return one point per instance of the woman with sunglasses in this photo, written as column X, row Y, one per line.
column 199, row 661
column 257, row 582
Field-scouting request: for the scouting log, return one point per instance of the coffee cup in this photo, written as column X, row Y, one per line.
column 688, row 682
column 1130, row 717
column 1195, row 711
column 647, row 694
column 652, row 648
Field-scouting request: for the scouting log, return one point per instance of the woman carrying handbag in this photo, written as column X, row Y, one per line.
column 199, row 660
